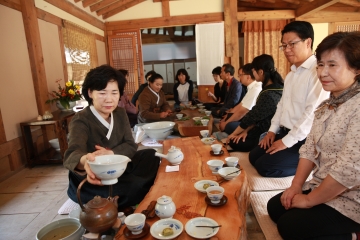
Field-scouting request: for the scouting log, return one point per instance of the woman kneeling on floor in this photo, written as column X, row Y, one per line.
column 103, row 129
column 328, row 206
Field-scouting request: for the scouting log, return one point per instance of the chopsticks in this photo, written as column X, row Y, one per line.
column 233, row 172
column 209, row 226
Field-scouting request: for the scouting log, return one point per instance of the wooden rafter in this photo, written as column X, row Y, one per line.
column 353, row 3
column 77, row 1
column 265, row 15
column 326, row 17
column 122, row 8
column 165, row 8
column 73, row 10
column 279, row 4
column 101, row 5
column 87, row 3
column 313, row 7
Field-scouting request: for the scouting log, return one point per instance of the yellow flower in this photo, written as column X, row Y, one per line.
column 71, row 92
column 68, row 84
column 77, row 87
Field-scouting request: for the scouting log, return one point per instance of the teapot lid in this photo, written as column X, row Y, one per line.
column 173, row 149
column 164, row 200
column 97, row 202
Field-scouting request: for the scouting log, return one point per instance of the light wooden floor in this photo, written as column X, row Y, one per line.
column 31, row 198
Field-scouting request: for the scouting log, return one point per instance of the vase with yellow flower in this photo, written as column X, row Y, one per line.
column 65, row 97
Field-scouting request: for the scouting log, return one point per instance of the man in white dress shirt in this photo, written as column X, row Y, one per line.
column 278, row 152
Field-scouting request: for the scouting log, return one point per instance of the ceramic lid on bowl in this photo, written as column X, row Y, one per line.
column 164, row 200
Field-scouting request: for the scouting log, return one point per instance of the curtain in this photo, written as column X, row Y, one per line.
column 80, row 51
column 265, row 37
column 209, row 50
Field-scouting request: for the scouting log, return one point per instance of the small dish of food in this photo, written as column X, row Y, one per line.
column 168, row 228
column 197, row 119
column 202, row 185
column 208, row 140
column 192, row 107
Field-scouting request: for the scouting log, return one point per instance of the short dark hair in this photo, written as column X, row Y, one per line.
column 266, row 63
column 346, row 42
column 302, row 28
column 216, row 70
column 98, row 78
column 149, row 74
column 228, row 68
column 154, row 77
column 182, row 71
column 124, row 72
column 247, row 69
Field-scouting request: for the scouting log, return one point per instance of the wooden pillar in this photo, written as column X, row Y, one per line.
column 32, row 33
column 231, row 33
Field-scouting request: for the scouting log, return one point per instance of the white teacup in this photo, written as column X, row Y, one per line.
column 179, row 115
column 135, row 222
column 208, row 113
column 204, row 133
column 215, row 165
column 216, row 148
column 204, row 122
column 231, row 161
column 215, row 193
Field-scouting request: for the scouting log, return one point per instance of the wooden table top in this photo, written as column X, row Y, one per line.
column 188, row 128
column 180, row 187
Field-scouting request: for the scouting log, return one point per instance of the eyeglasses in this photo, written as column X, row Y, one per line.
column 290, row 45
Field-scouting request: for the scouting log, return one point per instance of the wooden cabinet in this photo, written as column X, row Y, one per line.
column 60, row 122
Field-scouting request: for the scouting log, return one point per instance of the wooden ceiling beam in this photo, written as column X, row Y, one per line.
column 279, row 5
column 313, row 7
column 165, row 21
column 165, row 8
column 353, row 3
column 265, row 15
column 73, row 10
column 122, row 8
column 87, row 3
column 77, row 1
column 112, row 6
column 101, row 5
column 326, row 17
column 292, row 1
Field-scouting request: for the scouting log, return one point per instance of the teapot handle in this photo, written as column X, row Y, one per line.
column 78, row 194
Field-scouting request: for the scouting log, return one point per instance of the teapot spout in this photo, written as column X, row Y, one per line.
column 160, row 155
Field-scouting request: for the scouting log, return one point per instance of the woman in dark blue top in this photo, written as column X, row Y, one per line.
column 220, row 90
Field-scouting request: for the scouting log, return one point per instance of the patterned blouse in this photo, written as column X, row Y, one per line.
column 333, row 145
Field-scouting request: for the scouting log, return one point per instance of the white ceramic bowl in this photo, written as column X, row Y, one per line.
column 208, row 113
column 158, row 130
column 223, row 172
column 55, row 144
column 192, row 107
column 179, row 115
column 74, row 223
column 231, row 161
column 201, row 107
column 204, row 133
column 216, row 148
column 199, row 185
column 208, row 140
column 215, row 165
column 157, row 228
column 135, row 222
column 109, row 167
column 204, row 122
column 199, row 104
column 204, row 232
column 215, row 193
column 196, row 119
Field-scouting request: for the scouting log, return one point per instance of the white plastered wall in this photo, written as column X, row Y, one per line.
column 321, row 30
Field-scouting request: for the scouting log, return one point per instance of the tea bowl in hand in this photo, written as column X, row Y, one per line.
column 215, row 164
column 135, row 222
column 215, row 193
column 108, row 168
column 231, row 161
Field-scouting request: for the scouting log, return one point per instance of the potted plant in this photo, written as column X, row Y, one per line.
column 65, row 97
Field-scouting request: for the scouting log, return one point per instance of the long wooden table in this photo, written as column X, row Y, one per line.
column 180, row 187
column 188, row 128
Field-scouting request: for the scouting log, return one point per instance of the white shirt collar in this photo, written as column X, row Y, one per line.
column 109, row 126
column 156, row 94
column 253, row 84
column 307, row 64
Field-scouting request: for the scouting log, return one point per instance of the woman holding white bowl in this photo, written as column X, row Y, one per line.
column 103, row 129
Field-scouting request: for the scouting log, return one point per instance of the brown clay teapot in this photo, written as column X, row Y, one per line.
column 99, row 214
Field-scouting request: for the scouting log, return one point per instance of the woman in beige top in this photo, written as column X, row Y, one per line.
column 328, row 206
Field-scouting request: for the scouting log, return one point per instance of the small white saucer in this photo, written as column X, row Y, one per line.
column 201, row 233
column 199, row 185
